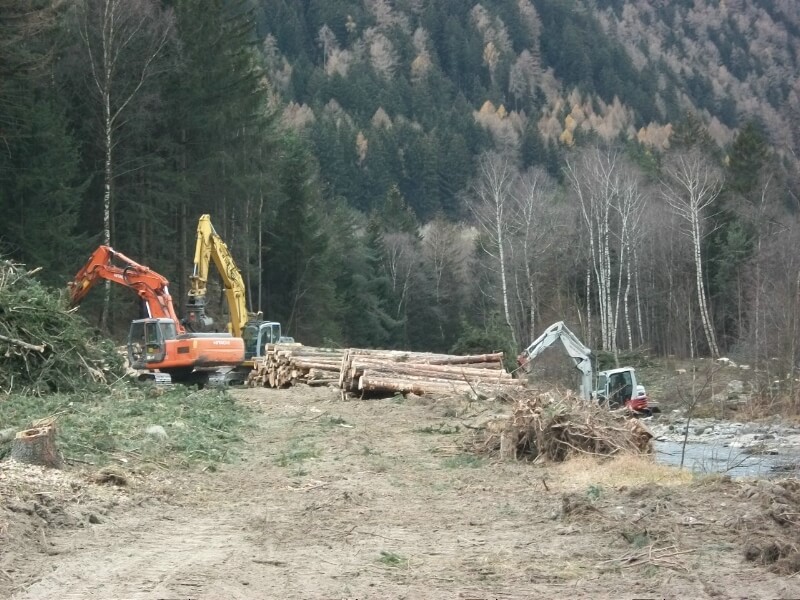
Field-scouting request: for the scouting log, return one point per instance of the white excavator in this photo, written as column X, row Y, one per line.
column 615, row 388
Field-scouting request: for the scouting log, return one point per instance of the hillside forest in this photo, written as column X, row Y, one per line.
column 422, row 174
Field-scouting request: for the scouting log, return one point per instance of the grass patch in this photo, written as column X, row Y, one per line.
column 296, row 453
column 441, row 429
column 626, row 470
column 390, row 559
column 333, row 422
column 463, row 461
column 594, row 492
column 201, row 426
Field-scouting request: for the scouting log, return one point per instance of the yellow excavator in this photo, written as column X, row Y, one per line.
column 257, row 333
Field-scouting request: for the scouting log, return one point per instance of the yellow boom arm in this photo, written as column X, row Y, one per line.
column 210, row 246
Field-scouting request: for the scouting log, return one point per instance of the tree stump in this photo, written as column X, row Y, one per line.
column 509, row 438
column 36, row 447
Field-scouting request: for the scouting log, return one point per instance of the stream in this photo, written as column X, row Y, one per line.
column 737, row 449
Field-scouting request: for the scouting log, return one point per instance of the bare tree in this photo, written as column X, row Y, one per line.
column 491, row 202
column 536, row 229
column 629, row 206
column 690, row 187
column 327, row 40
column 590, row 176
column 124, row 40
column 401, row 258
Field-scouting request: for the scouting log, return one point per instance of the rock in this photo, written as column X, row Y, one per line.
column 735, row 386
column 6, row 435
column 156, row 431
column 94, row 519
column 700, row 430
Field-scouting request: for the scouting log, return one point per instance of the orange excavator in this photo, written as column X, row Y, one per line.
column 158, row 345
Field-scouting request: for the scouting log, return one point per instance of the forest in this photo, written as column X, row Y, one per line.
column 422, row 174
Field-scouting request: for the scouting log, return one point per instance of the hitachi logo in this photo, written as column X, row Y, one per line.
column 221, row 343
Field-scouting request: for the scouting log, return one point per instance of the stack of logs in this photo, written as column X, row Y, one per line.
column 365, row 371
column 288, row 364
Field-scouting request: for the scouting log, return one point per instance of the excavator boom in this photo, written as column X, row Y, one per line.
column 580, row 354
column 211, row 247
column 105, row 263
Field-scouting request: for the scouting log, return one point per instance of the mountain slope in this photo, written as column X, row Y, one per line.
column 408, row 92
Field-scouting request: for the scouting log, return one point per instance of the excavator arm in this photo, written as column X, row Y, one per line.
column 580, row 354
column 210, row 247
column 106, row 264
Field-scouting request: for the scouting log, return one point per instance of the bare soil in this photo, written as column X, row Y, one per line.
column 378, row 499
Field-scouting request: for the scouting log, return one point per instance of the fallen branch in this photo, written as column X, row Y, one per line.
column 22, row 344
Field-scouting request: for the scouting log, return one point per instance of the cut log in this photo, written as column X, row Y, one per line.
column 404, row 386
column 321, row 382
column 442, row 371
column 458, row 381
column 497, row 357
column 36, row 447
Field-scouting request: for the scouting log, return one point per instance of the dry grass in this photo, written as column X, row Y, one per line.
column 626, row 470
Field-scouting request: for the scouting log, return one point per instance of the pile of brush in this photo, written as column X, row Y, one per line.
column 551, row 426
column 43, row 346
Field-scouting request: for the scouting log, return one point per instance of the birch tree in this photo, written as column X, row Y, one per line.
column 491, row 201
column 610, row 199
column 629, row 206
column 591, row 177
column 690, row 187
column 537, row 230
column 124, row 40
column 401, row 258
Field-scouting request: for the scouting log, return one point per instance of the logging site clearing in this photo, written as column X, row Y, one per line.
column 355, row 474
column 384, row 499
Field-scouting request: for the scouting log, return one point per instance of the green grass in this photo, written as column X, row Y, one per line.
column 594, row 492
column 390, row 559
column 463, row 461
column 297, row 452
column 96, row 426
column 332, row 422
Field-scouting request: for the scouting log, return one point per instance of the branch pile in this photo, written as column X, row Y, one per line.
column 362, row 371
column 43, row 346
column 554, row 427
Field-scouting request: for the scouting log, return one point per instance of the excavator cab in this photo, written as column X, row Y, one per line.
column 619, row 387
column 258, row 335
column 147, row 341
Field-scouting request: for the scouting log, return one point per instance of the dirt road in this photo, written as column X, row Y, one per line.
column 377, row 499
